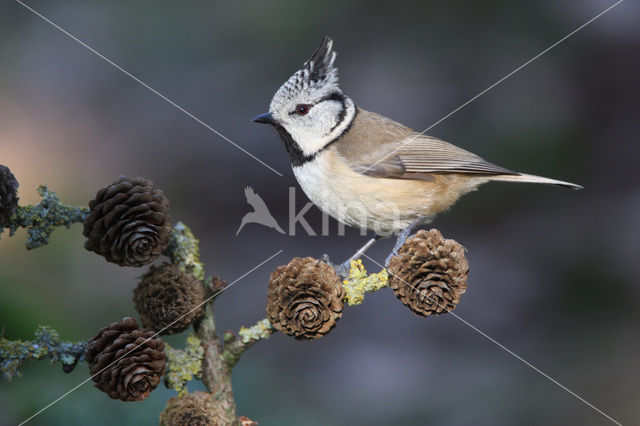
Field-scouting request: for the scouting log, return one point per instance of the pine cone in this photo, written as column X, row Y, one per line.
column 166, row 294
column 193, row 409
column 129, row 222
column 429, row 274
column 8, row 195
column 123, row 363
column 217, row 285
column 246, row 421
column 305, row 298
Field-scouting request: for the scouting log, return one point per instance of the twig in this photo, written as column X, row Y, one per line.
column 41, row 219
column 216, row 375
column 47, row 345
column 235, row 347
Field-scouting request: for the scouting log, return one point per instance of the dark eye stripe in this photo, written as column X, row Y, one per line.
column 339, row 97
column 334, row 96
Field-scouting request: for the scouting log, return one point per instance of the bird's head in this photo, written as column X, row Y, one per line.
column 310, row 107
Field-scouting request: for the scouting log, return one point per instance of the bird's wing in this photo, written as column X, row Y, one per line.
column 380, row 147
column 426, row 154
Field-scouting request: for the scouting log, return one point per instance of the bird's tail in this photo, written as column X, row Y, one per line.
column 522, row 177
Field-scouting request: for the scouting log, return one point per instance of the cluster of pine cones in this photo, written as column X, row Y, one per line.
column 128, row 361
column 429, row 275
column 129, row 225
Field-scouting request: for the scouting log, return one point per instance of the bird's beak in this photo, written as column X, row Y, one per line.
column 265, row 118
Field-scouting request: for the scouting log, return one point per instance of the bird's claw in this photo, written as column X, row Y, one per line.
column 342, row 269
column 325, row 258
column 394, row 252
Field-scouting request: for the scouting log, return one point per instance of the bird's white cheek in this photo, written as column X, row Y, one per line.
column 309, row 140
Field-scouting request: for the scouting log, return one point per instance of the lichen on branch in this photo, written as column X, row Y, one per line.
column 47, row 345
column 247, row 337
column 184, row 250
column 183, row 365
column 41, row 219
column 260, row 330
column 358, row 283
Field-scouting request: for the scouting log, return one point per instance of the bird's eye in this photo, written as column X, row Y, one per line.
column 302, row 109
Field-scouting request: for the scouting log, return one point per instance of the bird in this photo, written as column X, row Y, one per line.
column 366, row 170
column 260, row 213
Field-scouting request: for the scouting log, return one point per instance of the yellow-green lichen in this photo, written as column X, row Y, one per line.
column 184, row 250
column 235, row 347
column 183, row 365
column 261, row 330
column 358, row 283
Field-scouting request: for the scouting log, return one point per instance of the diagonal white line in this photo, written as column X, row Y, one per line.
column 495, row 84
column 198, row 306
column 101, row 56
column 533, row 367
column 509, row 351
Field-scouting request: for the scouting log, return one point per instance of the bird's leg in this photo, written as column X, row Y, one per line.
column 343, row 269
column 402, row 237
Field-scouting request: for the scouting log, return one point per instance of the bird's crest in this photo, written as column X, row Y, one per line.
column 319, row 68
column 318, row 75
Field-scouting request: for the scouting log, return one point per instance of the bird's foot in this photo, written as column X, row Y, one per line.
column 394, row 252
column 402, row 237
column 325, row 258
column 342, row 269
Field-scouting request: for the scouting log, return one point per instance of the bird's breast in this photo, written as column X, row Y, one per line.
column 379, row 204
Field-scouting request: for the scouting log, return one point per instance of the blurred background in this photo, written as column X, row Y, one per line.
column 554, row 273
